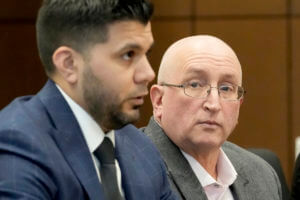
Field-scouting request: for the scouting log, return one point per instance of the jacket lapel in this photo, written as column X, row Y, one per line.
column 133, row 164
column 179, row 170
column 70, row 140
column 240, row 186
column 239, row 189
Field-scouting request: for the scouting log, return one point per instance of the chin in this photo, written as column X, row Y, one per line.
column 131, row 116
column 208, row 141
column 134, row 115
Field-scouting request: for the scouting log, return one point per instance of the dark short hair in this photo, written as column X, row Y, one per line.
column 79, row 23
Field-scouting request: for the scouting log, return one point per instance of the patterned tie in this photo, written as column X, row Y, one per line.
column 106, row 155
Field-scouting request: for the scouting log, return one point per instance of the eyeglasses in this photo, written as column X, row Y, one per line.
column 228, row 92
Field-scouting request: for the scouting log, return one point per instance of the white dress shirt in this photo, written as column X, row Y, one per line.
column 215, row 189
column 92, row 133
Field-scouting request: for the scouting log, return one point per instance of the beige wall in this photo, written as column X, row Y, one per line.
column 264, row 34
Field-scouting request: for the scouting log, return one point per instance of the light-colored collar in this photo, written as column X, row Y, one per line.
column 226, row 172
column 92, row 132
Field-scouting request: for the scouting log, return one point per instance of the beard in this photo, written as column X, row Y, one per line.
column 104, row 105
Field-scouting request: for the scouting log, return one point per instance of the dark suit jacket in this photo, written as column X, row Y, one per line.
column 295, row 191
column 256, row 179
column 43, row 155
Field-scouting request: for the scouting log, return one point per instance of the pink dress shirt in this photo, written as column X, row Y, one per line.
column 215, row 189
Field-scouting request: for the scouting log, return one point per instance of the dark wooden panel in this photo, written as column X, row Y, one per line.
column 172, row 8
column 261, row 47
column 296, row 76
column 238, row 7
column 165, row 33
column 295, row 7
column 16, row 9
column 21, row 72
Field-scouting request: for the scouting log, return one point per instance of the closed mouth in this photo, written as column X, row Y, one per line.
column 211, row 123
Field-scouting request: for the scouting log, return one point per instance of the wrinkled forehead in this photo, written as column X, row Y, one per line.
column 203, row 53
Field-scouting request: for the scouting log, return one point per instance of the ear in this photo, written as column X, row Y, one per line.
column 156, row 94
column 241, row 101
column 66, row 61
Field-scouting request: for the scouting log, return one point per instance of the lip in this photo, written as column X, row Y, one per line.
column 210, row 123
column 138, row 100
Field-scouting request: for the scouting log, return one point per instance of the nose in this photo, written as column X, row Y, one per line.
column 212, row 101
column 144, row 72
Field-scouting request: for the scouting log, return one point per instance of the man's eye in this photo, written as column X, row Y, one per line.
column 226, row 88
column 194, row 85
column 128, row 55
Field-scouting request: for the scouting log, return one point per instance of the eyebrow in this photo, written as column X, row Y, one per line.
column 135, row 46
column 130, row 46
column 150, row 48
column 194, row 73
column 229, row 76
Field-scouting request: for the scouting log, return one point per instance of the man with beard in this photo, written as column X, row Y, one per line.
column 62, row 143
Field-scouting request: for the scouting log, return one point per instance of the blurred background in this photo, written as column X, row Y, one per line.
column 264, row 34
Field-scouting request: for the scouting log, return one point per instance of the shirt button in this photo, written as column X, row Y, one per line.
column 216, row 185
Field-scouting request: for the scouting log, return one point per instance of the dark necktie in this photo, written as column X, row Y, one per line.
column 106, row 155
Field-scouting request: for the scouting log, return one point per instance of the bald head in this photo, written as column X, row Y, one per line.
column 198, row 95
column 183, row 53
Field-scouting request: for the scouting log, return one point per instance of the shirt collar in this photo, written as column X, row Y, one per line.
column 92, row 132
column 226, row 171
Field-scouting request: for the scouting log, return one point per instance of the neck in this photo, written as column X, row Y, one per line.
column 208, row 161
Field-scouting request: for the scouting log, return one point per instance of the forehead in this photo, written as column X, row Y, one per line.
column 121, row 37
column 127, row 32
column 210, row 63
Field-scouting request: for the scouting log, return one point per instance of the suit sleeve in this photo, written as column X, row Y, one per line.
column 22, row 174
column 167, row 193
column 278, row 183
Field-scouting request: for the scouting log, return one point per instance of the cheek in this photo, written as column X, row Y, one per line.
column 120, row 86
column 231, row 115
column 116, row 77
column 177, row 117
column 177, row 107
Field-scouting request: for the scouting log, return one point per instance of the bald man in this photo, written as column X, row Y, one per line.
column 196, row 105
